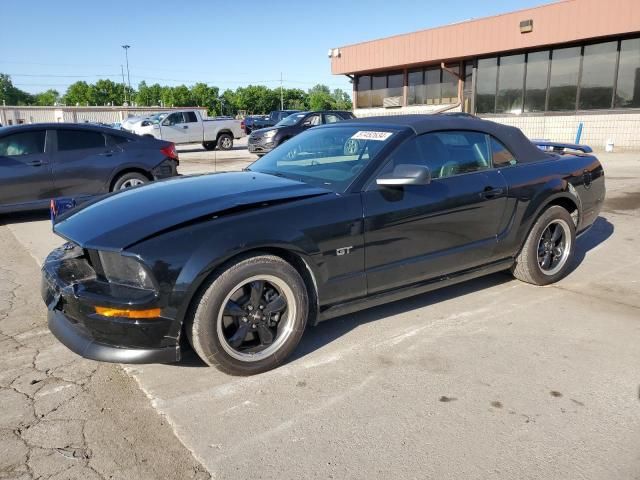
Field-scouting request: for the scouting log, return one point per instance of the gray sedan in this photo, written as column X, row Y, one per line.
column 40, row 162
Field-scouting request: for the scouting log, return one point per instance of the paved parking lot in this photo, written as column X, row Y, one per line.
column 489, row 379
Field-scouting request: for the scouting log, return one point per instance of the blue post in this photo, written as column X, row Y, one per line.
column 579, row 133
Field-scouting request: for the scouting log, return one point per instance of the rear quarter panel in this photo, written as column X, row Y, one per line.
column 533, row 186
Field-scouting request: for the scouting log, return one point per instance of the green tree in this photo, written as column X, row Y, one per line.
column 204, row 95
column 182, row 96
column 257, row 99
column 295, row 99
column 78, row 93
column 320, row 98
column 341, row 99
column 47, row 99
column 12, row 95
column 148, row 95
column 106, row 92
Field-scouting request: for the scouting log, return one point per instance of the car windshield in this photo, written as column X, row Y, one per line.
column 290, row 120
column 328, row 157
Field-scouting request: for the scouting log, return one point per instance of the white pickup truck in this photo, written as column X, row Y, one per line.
column 188, row 126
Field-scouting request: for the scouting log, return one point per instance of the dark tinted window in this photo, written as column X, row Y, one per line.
column 415, row 91
column 191, row 117
column 363, row 87
column 395, row 85
column 378, row 89
column 449, row 88
column 432, row 85
column 510, row 82
column 23, row 143
column 486, row 85
column 79, row 139
column 598, row 72
column 445, row 153
column 563, row 84
column 174, row 119
column 116, row 139
column 500, row 155
column 536, row 85
column 628, row 89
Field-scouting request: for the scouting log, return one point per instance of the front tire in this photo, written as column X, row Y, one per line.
column 250, row 318
column 548, row 252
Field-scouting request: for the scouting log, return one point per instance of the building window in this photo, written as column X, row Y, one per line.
column 563, row 82
column 510, row 81
column 415, row 91
column 535, row 96
column 371, row 90
column 486, row 85
column 433, row 86
column 598, row 74
column 628, row 87
column 363, row 91
column 467, row 91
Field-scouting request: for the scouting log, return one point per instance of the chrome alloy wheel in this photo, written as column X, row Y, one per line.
column 132, row 182
column 554, row 247
column 226, row 143
column 256, row 318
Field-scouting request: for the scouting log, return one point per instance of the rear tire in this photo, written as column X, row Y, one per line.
column 209, row 145
column 233, row 316
column 128, row 180
column 548, row 252
column 225, row 142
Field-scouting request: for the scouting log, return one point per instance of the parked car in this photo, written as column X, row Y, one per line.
column 188, row 126
column 249, row 123
column 39, row 162
column 266, row 139
column 240, row 262
column 271, row 119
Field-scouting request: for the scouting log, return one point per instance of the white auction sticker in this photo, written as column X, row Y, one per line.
column 370, row 135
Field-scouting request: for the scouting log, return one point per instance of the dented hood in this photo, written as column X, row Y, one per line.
column 128, row 217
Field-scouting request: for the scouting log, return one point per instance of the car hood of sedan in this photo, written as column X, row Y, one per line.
column 128, row 217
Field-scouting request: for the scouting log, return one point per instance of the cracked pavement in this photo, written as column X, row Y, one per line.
column 64, row 417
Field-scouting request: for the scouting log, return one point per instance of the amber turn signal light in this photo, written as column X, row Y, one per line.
column 117, row 312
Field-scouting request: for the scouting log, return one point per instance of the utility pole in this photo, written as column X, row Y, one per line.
column 124, row 85
column 126, row 54
column 281, row 98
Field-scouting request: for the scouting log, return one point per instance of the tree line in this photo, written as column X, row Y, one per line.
column 252, row 99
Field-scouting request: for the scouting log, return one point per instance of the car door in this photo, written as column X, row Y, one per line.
column 25, row 167
column 418, row 232
column 175, row 128
column 82, row 162
column 195, row 130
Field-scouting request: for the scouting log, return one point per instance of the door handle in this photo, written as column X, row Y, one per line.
column 490, row 192
column 36, row 163
column 106, row 154
column 186, row 126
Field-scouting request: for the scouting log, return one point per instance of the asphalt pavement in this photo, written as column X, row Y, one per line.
column 488, row 379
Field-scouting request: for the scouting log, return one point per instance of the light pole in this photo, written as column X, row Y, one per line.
column 126, row 54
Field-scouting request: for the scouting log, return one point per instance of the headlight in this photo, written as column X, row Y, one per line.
column 125, row 271
column 270, row 134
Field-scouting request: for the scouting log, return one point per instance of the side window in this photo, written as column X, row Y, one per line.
column 406, row 153
column 500, row 155
column 23, row 143
column 116, row 140
column 313, row 120
column 174, row 119
column 454, row 152
column 331, row 118
column 79, row 140
column 191, row 117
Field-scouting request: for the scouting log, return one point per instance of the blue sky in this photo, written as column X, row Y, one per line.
column 50, row 44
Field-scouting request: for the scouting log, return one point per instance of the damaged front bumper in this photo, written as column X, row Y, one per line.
column 72, row 291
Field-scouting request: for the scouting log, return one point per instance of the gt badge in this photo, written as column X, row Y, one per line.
column 343, row 251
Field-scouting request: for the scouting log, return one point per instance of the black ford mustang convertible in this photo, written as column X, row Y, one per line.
column 340, row 218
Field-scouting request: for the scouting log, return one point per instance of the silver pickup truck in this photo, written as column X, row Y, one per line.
column 188, row 126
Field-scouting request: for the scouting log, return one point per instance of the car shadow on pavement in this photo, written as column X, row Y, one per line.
column 24, row 217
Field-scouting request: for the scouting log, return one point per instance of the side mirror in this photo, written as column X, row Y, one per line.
column 165, row 123
column 405, row 174
column 145, row 123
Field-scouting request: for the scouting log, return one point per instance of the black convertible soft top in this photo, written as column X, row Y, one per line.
column 512, row 137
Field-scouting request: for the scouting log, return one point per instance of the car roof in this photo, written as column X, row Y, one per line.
column 511, row 137
column 64, row 125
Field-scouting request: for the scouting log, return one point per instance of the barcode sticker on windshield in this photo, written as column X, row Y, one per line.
column 370, row 135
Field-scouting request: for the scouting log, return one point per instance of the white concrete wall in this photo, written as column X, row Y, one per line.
column 623, row 128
